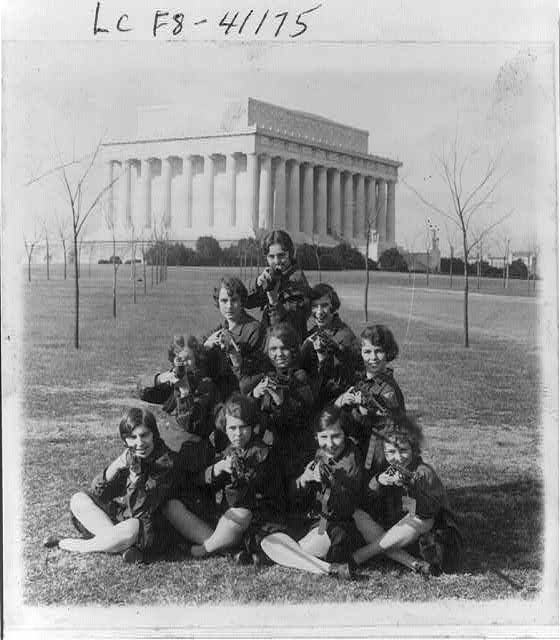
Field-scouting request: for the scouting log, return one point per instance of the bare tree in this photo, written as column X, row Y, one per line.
column 62, row 228
column 315, row 245
column 133, row 261
column 74, row 187
column 30, row 244
column 91, row 247
column 465, row 203
column 502, row 243
column 372, row 215
column 47, row 249
column 109, row 219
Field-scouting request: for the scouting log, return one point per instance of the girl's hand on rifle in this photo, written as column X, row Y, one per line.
column 310, row 474
column 167, row 377
column 213, row 340
column 260, row 388
column 222, row 466
column 347, row 399
column 391, row 477
column 277, row 394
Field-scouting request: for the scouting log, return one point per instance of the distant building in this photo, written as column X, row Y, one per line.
column 252, row 166
column 423, row 261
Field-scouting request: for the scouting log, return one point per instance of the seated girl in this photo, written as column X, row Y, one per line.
column 281, row 291
column 330, row 486
column 237, row 343
column 185, row 390
column 246, row 480
column 331, row 351
column 404, row 503
column 285, row 401
column 121, row 513
column 374, row 393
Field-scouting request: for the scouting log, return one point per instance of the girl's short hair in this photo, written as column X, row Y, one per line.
column 137, row 417
column 401, row 427
column 234, row 286
column 287, row 334
column 324, row 289
column 279, row 237
column 381, row 336
column 329, row 416
column 242, row 407
column 201, row 359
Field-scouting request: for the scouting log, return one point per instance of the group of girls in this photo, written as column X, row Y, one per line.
column 290, row 424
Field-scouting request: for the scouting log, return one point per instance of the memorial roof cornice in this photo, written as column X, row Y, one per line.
column 261, row 131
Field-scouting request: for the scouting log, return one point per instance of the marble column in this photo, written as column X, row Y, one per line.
column 348, row 228
column 382, row 210
column 250, row 219
column 391, row 211
column 187, row 191
column 360, row 207
column 307, row 199
column 279, row 200
column 209, row 189
column 146, row 192
column 231, row 182
column 265, row 189
column 292, row 220
column 166, row 172
column 334, row 202
column 321, row 229
column 124, row 196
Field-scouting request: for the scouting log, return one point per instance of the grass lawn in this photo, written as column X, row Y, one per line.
column 479, row 408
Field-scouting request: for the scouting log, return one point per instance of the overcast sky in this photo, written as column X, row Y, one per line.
column 410, row 96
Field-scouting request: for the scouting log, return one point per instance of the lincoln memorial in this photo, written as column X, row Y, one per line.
column 252, row 166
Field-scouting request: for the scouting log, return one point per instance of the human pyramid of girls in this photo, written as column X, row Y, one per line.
column 297, row 446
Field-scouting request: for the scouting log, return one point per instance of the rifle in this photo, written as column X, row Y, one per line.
column 227, row 343
column 326, row 342
column 407, row 475
column 327, row 480
column 367, row 398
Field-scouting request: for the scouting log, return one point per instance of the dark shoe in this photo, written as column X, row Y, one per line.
column 242, row 557
column 344, row 570
column 51, row 542
column 133, row 555
column 422, row 568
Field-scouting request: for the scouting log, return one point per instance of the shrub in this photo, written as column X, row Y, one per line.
column 392, row 260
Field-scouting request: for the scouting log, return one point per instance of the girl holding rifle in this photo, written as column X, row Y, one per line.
column 404, row 503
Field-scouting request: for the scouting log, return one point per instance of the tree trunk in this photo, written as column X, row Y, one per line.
column 133, row 273
column 76, row 294
column 466, row 294
column 144, row 266
column 115, row 268
column 427, row 268
column 29, row 268
column 48, row 260
column 158, row 258
column 478, row 273
column 64, row 250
